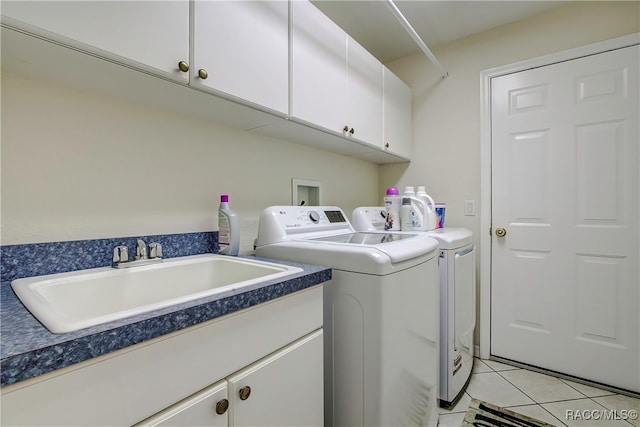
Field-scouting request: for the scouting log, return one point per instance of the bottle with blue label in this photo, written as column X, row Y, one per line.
column 430, row 219
column 412, row 214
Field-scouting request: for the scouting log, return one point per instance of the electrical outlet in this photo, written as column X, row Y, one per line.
column 470, row 207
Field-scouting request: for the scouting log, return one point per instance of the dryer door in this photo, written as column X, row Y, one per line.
column 465, row 299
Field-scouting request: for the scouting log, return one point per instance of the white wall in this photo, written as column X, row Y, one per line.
column 78, row 165
column 446, row 113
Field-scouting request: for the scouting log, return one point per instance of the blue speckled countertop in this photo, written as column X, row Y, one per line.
column 28, row 349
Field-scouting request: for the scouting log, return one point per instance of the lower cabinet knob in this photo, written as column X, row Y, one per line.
column 386, row 145
column 346, row 128
column 203, row 74
column 222, row 406
column 183, row 66
column 245, row 392
column 352, row 131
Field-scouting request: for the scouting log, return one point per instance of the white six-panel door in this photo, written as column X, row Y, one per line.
column 565, row 188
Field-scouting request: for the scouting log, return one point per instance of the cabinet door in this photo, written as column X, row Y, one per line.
column 201, row 409
column 397, row 115
column 244, row 48
column 364, row 94
column 319, row 61
column 152, row 35
column 283, row 389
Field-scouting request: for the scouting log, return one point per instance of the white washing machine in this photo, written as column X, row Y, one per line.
column 381, row 314
column 456, row 264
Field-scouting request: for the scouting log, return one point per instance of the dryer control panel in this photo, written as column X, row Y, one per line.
column 282, row 223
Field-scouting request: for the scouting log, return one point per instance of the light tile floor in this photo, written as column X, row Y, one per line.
column 556, row 401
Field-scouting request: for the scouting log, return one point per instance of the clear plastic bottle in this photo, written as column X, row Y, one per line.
column 228, row 228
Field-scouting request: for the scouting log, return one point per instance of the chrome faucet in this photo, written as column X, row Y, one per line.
column 143, row 256
column 141, row 250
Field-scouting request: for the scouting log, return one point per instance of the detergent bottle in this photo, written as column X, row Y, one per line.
column 430, row 217
column 392, row 204
column 412, row 213
column 229, row 228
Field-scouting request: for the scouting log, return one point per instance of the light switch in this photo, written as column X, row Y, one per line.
column 470, row 207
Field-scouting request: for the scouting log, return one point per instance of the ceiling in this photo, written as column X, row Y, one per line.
column 373, row 25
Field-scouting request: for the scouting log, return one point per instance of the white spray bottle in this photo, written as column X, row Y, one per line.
column 228, row 228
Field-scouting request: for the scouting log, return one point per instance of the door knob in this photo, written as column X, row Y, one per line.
column 202, row 73
column 501, row 232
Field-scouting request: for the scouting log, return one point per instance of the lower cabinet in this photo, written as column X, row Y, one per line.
column 282, row 389
column 266, row 361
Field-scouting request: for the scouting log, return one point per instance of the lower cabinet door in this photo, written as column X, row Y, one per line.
column 208, row 407
column 282, row 389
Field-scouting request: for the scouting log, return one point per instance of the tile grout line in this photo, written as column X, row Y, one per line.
column 606, row 408
column 540, row 404
column 534, row 400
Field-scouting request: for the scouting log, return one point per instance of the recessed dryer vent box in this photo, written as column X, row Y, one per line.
column 305, row 192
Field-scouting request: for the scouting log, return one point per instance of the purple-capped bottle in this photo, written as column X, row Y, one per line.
column 393, row 205
column 228, row 228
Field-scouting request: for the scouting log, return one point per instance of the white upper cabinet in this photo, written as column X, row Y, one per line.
column 151, row 35
column 319, row 68
column 254, row 64
column 241, row 48
column 364, row 94
column 397, row 115
column 335, row 84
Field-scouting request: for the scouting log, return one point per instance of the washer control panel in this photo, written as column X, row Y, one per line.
column 278, row 223
column 313, row 217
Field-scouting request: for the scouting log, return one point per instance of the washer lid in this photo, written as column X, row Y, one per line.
column 364, row 239
column 398, row 247
column 452, row 238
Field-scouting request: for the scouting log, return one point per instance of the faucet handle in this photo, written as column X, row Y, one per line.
column 141, row 250
column 155, row 250
column 120, row 254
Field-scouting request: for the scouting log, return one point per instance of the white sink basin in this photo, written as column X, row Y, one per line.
column 67, row 302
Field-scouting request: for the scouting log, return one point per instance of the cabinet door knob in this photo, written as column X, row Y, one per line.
column 203, row 74
column 183, row 66
column 245, row 392
column 222, row 406
column 386, row 145
column 345, row 128
column 352, row 131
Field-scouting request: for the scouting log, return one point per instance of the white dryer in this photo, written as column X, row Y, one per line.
column 381, row 314
column 456, row 264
